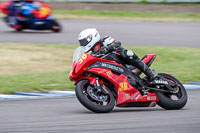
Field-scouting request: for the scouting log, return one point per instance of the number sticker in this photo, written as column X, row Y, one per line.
column 82, row 58
column 123, row 86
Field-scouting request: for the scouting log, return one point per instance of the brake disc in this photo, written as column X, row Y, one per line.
column 97, row 96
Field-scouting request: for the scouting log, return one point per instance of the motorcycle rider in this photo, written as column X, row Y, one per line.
column 91, row 41
column 14, row 10
column 18, row 12
column 33, row 4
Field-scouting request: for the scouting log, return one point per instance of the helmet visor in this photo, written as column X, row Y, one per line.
column 83, row 42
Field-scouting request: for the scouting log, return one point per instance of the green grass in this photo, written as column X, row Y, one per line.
column 168, row 3
column 126, row 15
column 183, row 63
column 39, row 82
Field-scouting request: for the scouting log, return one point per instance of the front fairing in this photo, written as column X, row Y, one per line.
column 78, row 68
column 81, row 61
column 50, row 18
column 4, row 7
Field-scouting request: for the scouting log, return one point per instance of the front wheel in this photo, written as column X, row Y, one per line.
column 56, row 27
column 99, row 100
column 172, row 101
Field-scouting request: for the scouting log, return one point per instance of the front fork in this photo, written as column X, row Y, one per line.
column 100, row 86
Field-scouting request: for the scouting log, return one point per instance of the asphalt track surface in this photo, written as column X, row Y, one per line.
column 67, row 115
column 128, row 32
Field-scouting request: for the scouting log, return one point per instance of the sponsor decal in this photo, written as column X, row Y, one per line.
column 82, row 58
column 151, row 97
column 89, row 38
column 109, row 74
column 109, row 66
column 127, row 96
column 123, row 86
column 152, row 104
column 135, row 70
column 134, row 95
column 160, row 82
column 102, row 71
column 96, row 35
column 137, row 97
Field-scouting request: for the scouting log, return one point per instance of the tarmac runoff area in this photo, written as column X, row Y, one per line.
column 57, row 94
column 131, row 33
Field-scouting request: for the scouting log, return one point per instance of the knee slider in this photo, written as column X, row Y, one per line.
column 129, row 54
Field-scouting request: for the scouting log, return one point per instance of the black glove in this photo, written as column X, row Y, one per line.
column 114, row 46
column 104, row 50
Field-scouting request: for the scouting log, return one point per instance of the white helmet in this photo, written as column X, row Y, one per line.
column 88, row 38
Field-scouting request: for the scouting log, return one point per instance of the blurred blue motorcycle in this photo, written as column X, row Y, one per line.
column 30, row 17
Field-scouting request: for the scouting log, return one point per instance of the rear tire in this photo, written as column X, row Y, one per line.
column 165, row 99
column 19, row 30
column 89, row 102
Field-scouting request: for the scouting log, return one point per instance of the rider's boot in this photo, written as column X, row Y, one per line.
column 146, row 70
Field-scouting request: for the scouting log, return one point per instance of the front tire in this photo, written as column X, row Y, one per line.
column 91, row 103
column 56, row 27
column 171, row 101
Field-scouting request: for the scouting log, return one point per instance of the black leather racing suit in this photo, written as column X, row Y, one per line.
column 116, row 53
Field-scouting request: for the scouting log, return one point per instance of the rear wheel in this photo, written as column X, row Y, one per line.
column 56, row 27
column 97, row 100
column 19, row 30
column 172, row 101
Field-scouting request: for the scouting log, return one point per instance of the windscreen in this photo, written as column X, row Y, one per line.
column 79, row 52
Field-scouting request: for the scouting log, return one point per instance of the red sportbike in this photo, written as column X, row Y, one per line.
column 101, row 84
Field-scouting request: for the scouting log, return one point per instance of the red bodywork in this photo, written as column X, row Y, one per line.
column 44, row 12
column 4, row 7
column 127, row 96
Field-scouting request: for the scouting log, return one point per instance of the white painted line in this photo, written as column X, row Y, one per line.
column 13, row 97
column 2, row 96
column 189, row 87
column 63, row 92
